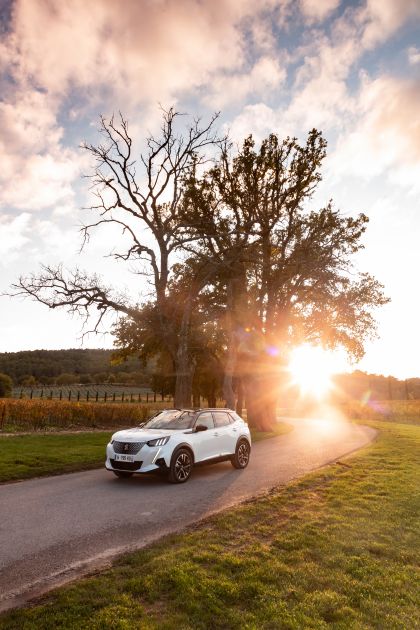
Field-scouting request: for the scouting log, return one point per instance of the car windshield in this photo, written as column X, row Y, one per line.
column 172, row 419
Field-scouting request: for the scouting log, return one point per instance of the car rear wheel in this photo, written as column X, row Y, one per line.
column 241, row 456
column 122, row 474
column 181, row 466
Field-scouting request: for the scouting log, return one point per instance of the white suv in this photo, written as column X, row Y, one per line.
column 174, row 440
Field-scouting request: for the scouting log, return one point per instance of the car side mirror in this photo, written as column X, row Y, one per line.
column 200, row 427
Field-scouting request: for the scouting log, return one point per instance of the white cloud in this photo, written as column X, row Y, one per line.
column 266, row 76
column 385, row 136
column 317, row 10
column 14, row 234
column 141, row 52
column 413, row 54
column 382, row 18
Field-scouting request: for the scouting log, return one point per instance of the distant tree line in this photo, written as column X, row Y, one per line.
column 87, row 365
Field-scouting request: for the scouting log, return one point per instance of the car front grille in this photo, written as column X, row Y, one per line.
column 127, row 448
column 125, row 465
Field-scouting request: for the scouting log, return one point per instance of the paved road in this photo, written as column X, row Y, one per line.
column 56, row 528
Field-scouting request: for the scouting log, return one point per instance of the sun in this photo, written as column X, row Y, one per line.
column 311, row 368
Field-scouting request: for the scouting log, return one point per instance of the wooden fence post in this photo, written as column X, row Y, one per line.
column 69, row 394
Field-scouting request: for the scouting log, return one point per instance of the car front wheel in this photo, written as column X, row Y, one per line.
column 241, row 456
column 181, row 466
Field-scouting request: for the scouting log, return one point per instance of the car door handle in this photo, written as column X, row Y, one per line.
column 234, row 430
column 215, row 434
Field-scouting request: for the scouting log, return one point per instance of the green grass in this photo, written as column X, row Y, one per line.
column 339, row 549
column 26, row 456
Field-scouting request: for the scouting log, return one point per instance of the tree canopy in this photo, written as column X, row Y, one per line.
column 241, row 266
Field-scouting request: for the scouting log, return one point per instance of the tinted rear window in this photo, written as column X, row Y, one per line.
column 221, row 418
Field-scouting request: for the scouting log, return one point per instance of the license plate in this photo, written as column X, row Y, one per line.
column 124, row 458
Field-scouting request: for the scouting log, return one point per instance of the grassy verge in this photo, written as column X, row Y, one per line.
column 337, row 549
column 26, row 456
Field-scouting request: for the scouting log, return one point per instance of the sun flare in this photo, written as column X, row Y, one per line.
column 311, row 368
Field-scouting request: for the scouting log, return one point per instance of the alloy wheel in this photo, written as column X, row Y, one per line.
column 243, row 455
column 183, row 466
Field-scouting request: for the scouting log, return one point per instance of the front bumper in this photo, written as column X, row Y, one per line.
column 148, row 459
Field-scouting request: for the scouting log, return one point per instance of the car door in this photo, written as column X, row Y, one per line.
column 226, row 432
column 205, row 442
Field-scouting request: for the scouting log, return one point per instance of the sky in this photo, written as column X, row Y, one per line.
column 350, row 69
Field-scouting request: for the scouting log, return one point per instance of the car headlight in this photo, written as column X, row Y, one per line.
column 158, row 441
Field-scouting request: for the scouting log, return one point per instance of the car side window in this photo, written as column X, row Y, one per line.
column 221, row 418
column 206, row 420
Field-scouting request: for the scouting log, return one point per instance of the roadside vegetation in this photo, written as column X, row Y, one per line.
column 338, row 549
column 53, row 415
column 27, row 456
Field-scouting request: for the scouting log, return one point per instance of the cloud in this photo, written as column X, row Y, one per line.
column 139, row 50
column 317, row 10
column 413, row 54
column 37, row 171
column 385, row 135
column 14, row 234
column 64, row 61
column 382, row 18
column 266, row 76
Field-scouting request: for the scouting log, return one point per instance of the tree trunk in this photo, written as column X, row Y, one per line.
column 228, row 393
column 184, row 377
column 261, row 401
column 184, row 365
column 240, row 400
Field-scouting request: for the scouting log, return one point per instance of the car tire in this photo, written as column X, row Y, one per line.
column 122, row 474
column 241, row 457
column 181, row 466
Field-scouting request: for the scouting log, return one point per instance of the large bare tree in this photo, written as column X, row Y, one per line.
column 142, row 199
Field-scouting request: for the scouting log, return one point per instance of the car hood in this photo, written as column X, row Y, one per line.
column 144, row 435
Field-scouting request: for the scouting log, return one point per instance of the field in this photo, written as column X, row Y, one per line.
column 338, row 549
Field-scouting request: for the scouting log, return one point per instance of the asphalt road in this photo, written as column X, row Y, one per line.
column 54, row 529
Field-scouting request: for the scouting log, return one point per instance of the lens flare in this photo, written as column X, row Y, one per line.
column 312, row 367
